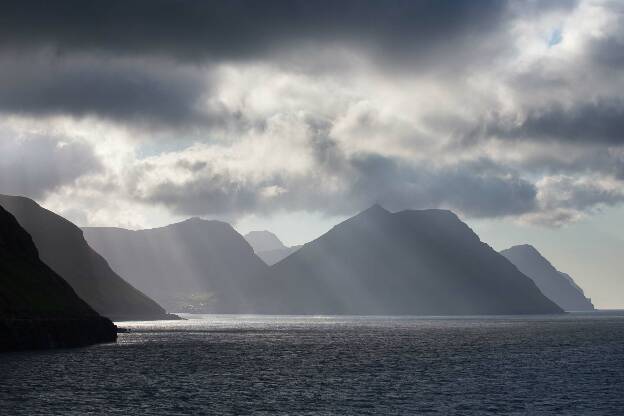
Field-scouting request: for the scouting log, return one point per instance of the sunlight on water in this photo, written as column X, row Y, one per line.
column 248, row 364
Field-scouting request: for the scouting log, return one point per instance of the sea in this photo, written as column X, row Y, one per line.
column 571, row 364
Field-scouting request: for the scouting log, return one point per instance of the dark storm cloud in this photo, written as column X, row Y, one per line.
column 117, row 90
column 619, row 170
column 570, row 193
column 141, row 59
column 607, row 52
column 233, row 29
column 479, row 188
column 208, row 196
column 35, row 165
column 596, row 122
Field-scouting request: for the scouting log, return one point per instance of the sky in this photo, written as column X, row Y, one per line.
column 294, row 115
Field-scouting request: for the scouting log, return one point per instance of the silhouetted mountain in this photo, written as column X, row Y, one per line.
column 263, row 241
column 411, row 262
column 38, row 309
column 195, row 265
column 62, row 246
column 557, row 286
column 572, row 282
column 268, row 247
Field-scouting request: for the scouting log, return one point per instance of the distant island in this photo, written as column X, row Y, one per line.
column 38, row 309
column 557, row 286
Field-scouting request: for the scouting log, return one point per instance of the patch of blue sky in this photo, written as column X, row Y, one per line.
column 556, row 36
column 159, row 147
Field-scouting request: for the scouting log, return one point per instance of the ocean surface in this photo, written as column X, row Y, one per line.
column 541, row 365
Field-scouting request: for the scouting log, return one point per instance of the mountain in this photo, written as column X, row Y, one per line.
column 557, row 286
column 194, row 265
column 61, row 246
column 264, row 241
column 411, row 262
column 38, row 309
column 268, row 247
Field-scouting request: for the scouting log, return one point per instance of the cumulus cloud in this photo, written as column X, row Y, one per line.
column 563, row 199
column 232, row 108
column 311, row 171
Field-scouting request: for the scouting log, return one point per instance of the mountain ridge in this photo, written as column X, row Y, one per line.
column 38, row 308
column 198, row 265
column 409, row 262
column 424, row 262
column 62, row 246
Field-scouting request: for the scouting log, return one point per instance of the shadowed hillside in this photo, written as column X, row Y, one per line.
column 62, row 246
column 271, row 257
column 411, row 262
column 38, row 309
column 557, row 286
column 194, row 265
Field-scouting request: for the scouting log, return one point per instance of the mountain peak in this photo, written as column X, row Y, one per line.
column 194, row 220
column 375, row 209
column 525, row 248
column 263, row 241
column 411, row 262
column 527, row 251
column 198, row 222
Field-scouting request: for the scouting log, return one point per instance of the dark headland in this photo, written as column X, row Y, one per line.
column 62, row 246
column 38, row 309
